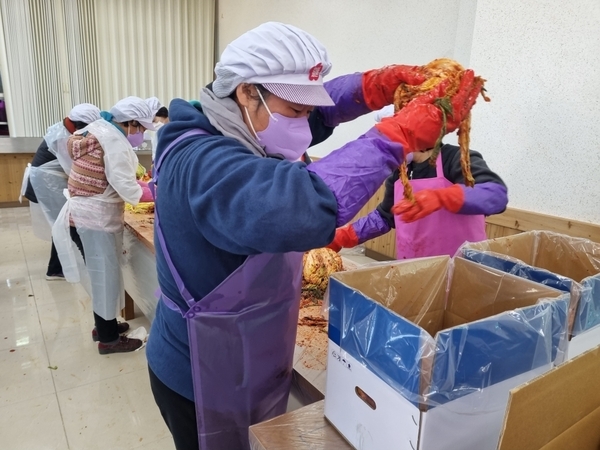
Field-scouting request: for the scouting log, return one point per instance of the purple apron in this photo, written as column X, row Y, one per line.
column 440, row 233
column 242, row 337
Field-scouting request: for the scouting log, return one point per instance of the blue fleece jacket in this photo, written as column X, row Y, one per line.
column 218, row 204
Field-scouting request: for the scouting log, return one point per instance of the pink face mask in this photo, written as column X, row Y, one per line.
column 287, row 137
column 136, row 139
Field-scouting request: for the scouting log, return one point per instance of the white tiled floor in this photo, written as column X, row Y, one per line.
column 90, row 401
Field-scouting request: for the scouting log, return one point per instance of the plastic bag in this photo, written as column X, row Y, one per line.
column 40, row 226
column 56, row 138
column 49, row 182
column 24, row 182
column 65, row 247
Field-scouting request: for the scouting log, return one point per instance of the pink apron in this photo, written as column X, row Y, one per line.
column 242, row 337
column 440, row 233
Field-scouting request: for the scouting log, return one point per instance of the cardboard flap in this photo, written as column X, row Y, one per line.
column 576, row 258
column 545, row 408
column 478, row 291
column 409, row 288
column 520, row 246
column 571, row 257
column 584, row 435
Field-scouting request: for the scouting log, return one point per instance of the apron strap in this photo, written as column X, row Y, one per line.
column 194, row 132
column 189, row 299
column 169, row 302
column 158, row 164
column 439, row 166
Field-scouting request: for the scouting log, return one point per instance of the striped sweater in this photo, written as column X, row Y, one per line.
column 88, row 175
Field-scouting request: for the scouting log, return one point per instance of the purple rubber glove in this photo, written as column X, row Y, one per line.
column 347, row 93
column 355, row 171
column 370, row 227
column 364, row 229
column 484, row 198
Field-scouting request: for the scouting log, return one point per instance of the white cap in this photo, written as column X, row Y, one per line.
column 85, row 112
column 133, row 108
column 154, row 104
column 287, row 61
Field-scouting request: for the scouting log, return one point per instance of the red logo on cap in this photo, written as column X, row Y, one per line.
column 315, row 72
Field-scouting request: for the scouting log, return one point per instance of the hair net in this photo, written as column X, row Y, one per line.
column 85, row 112
column 154, row 104
column 276, row 54
column 133, row 108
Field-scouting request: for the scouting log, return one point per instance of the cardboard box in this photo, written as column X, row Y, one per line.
column 557, row 411
column 302, row 429
column 392, row 385
column 564, row 262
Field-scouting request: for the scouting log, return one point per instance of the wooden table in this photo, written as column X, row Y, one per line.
column 139, row 265
column 15, row 153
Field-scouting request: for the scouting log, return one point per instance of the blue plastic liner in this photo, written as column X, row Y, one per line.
column 459, row 360
column 555, row 260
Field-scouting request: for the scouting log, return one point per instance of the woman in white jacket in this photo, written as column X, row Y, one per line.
column 102, row 178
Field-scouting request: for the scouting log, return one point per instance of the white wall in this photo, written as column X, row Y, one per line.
column 541, row 59
column 359, row 35
column 541, row 131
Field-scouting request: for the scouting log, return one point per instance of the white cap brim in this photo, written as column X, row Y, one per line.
column 147, row 125
column 303, row 94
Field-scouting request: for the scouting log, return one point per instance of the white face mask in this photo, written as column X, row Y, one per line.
column 148, row 133
column 287, row 137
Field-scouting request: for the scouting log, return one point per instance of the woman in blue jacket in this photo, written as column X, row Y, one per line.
column 235, row 209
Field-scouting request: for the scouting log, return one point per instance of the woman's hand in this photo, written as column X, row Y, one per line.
column 429, row 201
column 345, row 237
column 419, row 124
column 379, row 85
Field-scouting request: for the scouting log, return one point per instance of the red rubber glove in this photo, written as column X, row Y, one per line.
column 345, row 237
column 418, row 125
column 379, row 85
column 428, row 201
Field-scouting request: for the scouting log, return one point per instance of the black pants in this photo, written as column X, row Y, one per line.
column 178, row 412
column 54, row 266
column 75, row 238
column 108, row 330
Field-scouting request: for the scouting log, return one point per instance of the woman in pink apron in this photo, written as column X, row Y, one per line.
column 447, row 212
column 235, row 210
